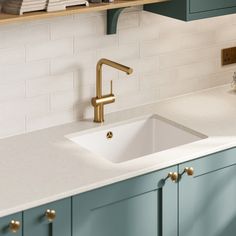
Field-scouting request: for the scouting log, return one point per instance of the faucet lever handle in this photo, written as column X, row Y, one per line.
column 111, row 87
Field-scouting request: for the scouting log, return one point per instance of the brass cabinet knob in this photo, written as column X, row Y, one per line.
column 50, row 215
column 189, row 171
column 174, row 176
column 14, row 226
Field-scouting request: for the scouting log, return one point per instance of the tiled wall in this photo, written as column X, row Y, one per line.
column 47, row 67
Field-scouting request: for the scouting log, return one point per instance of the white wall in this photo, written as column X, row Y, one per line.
column 47, row 67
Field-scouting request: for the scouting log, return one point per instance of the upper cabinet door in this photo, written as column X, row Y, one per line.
column 207, row 205
column 11, row 225
column 192, row 9
column 53, row 219
column 208, row 5
column 145, row 205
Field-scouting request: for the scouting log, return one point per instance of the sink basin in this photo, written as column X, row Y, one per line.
column 133, row 139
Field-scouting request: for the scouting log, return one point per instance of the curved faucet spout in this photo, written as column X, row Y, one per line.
column 110, row 63
column 100, row 100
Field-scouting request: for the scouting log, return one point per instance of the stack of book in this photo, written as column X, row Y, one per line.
column 58, row 5
column 18, row 7
column 76, row 3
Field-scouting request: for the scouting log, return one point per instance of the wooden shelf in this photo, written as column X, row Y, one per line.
column 7, row 18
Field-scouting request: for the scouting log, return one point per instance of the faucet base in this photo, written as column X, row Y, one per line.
column 99, row 114
column 98, row 104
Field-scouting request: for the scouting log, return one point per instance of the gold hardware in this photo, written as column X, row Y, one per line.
column 50, row 215
column 100, row 100
column 14, row 226
column 174, row 176
column 111, row 91
column 189, row 171
column 103, row 100
column 109, row 135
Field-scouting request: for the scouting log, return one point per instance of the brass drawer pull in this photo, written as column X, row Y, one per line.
column 174, row 176
column 189, row 171
column 14, row 226
column 50, row 215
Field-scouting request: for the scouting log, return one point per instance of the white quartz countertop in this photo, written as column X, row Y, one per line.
column 44, row 166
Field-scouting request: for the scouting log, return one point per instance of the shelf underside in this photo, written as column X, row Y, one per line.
column 7, row 18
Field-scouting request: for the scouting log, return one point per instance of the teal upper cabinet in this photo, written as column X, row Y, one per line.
column 192, row 9
column 207, row 203
column 209, row 5
column 53, row 219
column 11, row 225
column 145, row 205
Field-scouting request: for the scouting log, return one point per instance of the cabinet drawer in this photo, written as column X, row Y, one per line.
column 212, row 162
column 38, row 223
column 11, row 225
column 209, row 5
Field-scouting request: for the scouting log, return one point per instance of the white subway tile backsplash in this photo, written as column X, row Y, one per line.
column 128, row 101
column 12, row 55
column 49, row 49
column 177, row 88
column 47, row 67
column 85, row 93
column 49, row 85
column 62, row 27
column 48, row 120
column 149, row 82
column 23, row 71
column 124, row 85
column 80, row 62
column 11, row 91
column 149, row 48
column 84, row 77
column 189, row 56
column 88, row 44
column 137, row 34
column 129, row 20
column 148, row 65
column 150, row 19
column 65, row 100
column 36, row 106
column 120, row 53
column 20, row 34
column 177, row 27
column 228, row 33
column 108, row 74
column 90, row 26
column 197, row 69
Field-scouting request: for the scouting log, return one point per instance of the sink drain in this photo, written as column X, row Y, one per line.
column 109, row 135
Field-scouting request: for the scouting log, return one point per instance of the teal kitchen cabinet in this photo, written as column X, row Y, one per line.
column 192, row 9
column 11, row 225
column 145, row 205
column 202, row 203
column 53, row 219
column 207, row 201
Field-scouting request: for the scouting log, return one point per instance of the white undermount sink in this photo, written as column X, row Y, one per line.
column 136, row 138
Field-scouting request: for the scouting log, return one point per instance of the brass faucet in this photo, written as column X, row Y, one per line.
column 100, row 100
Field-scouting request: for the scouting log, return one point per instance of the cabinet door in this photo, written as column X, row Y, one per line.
column 11, row 225
column 53, row 219
column 207, row 201
column 208, row 5
column 145, row 205
column 188, row 10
